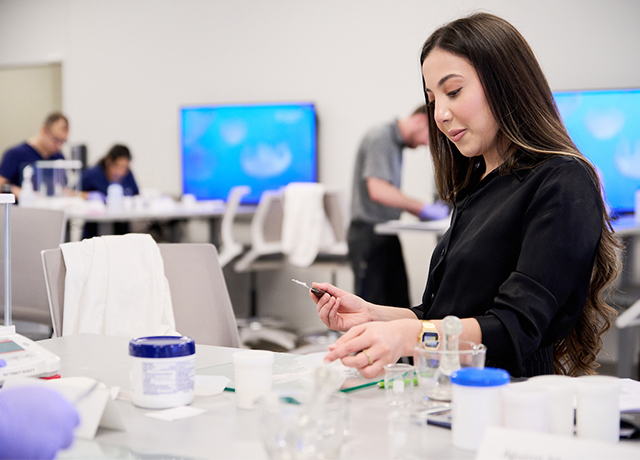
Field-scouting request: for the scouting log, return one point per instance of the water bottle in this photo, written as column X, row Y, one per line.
column 27, row 194
column 115, row 197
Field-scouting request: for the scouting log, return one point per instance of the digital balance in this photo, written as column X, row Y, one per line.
column 19, row 356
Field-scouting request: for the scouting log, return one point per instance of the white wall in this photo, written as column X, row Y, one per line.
column 128, row 65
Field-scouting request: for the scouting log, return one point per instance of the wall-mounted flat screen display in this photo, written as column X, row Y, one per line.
column 605, row 125
column 264, row 146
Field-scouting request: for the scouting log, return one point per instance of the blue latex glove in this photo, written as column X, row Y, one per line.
column 35, row 423
column 434, row 211
column 96, row 196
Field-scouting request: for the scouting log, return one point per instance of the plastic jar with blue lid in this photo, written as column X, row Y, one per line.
column 476, row 404
column 163, row 371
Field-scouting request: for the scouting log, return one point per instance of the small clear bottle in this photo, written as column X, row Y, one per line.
column 27, row 194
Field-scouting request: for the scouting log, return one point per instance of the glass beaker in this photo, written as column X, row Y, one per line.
column 434, row 379
column 287, row 433
column 398, row 384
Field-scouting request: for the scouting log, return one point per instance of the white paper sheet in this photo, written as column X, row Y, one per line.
column 176, row 413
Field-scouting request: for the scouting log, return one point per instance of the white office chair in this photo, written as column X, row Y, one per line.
column 265, row 250
column 32, row 230
column 231, row 247
column 630, row 317
column 332, row 251
column 201, row 304
column 314, row 226
column 334, row 209
column 258, row 244
column 332, row 258
column 264, row 253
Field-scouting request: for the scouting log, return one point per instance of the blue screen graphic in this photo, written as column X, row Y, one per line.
column 605, row 126
column 262, row 146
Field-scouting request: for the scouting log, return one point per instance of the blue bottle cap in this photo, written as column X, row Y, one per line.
column 475, row 377
column 162, row 347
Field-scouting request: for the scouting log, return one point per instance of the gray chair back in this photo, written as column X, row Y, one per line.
column 32, row 230
column 201, row 304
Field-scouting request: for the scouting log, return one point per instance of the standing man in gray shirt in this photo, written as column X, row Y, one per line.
column 378, row 266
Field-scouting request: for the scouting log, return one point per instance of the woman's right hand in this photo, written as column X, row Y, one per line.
column 340, row 310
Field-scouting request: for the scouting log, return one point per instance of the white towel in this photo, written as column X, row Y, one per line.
column 305, row 229
column 115, row 285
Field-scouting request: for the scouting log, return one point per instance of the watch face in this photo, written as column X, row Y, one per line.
column 430, row 339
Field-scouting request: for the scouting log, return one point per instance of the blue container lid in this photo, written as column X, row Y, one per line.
column 475, row 377
column 163, row 346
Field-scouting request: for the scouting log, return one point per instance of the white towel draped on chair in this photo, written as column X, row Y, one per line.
column 305, row 229
column 115, row 285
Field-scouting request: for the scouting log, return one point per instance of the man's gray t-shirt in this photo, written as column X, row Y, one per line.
column 379, row 155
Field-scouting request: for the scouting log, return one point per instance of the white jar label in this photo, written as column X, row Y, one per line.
column 163, row 377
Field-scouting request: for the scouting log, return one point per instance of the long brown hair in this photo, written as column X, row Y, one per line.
column 522, row 104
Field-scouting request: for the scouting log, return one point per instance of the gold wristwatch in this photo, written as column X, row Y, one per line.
column 428, row 334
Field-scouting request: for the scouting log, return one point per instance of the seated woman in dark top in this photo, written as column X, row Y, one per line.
column 113, row 168
column 530, row 248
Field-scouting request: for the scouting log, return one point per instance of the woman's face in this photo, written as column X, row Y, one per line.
column 117, row 169
column 461, row 111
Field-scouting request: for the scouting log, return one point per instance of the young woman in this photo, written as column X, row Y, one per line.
column 112, row 168
column 530, row 248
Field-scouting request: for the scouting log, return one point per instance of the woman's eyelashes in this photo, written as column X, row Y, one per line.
column 450, row 94
column 454, row 93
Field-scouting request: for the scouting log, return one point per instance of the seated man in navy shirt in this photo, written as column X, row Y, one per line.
column 45, row 145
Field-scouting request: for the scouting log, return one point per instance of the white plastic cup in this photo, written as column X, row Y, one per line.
column 253, row 376
column 525, row 407
column 562, row 393
column 163, row 371
column 598, row 409
column 476, row 404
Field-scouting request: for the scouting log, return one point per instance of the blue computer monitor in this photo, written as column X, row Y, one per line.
column 605, row 126
column 264, row 146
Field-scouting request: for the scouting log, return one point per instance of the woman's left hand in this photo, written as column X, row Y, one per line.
column 376, row 344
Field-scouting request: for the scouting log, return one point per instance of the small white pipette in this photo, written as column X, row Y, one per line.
column 314, row 290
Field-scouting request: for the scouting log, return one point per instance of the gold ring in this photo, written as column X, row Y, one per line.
column 368, row 357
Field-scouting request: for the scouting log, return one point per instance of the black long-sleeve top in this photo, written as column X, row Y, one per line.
column 518, row 257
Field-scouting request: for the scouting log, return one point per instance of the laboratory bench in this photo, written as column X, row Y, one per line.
column 223, row 431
